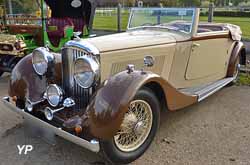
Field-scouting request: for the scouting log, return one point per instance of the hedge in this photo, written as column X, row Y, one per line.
column 228, row 14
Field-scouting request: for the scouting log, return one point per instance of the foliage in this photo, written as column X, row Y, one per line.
column 226, row 2
column 28, row 5
column 189, row 3
column 22, row 6
column 244, row 4
column 169, row 3
column 229, row 14
column 244, row 79
column 205, row 4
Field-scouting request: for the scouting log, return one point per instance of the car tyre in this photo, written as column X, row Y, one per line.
column 115, row 153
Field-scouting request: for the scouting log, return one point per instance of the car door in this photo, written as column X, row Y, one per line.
column 208, row 57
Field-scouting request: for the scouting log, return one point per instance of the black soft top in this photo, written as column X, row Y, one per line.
column 70, row 8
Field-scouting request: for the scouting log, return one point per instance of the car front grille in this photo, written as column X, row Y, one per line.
column 71, row 88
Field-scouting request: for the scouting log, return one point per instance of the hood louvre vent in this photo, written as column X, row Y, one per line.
column 139, row 64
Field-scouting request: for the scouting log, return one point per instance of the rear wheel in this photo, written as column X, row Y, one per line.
column 137, row 131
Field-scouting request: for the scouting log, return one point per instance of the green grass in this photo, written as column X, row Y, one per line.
column 244, row 79
column 110, row 22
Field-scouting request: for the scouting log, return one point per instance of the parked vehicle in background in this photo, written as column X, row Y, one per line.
column 52, row 24
column 86, row 95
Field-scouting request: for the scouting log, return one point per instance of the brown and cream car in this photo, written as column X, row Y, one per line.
column 107, row 93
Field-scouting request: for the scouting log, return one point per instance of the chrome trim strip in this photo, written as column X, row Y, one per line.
column 84, row 45
column 93, row 145
column 36, row 102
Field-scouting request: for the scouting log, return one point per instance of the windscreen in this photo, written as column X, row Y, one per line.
column 176, row 19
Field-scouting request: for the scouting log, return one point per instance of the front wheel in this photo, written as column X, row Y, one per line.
column 137, row 130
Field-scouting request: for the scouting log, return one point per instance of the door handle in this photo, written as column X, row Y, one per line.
column 196, row 45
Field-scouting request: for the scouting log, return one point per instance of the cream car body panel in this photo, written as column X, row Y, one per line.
column 177, row 60
column 115, row 61
column 207, row 53
column 180, row 66
column 134, row 39
column 119, row 50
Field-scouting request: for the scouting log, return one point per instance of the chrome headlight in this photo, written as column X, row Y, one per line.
column 86, row 72
column 54, row 95
column 41, row 59
column 49, row 114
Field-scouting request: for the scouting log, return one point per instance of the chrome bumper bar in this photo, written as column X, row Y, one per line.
column 92, row 145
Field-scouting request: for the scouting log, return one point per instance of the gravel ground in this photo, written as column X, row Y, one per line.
column 215, row 131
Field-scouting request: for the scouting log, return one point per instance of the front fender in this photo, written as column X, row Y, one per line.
column 107, row 109
column 25, row 83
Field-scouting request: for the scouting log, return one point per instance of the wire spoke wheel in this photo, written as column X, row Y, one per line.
column 135, row 127
column 137, row 130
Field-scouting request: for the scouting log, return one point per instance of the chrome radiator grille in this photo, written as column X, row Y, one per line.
column 71, row 88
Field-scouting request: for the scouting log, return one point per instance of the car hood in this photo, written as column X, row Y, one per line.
column 133, row 39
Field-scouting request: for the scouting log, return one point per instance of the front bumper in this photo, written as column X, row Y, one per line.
column 93, row 145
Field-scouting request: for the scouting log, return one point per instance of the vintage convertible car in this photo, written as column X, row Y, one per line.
column 107, row 93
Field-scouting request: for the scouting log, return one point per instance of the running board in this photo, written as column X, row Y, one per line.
column 205, row 91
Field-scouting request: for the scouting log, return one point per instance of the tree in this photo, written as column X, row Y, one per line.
column 169, row 3
column 189, row 3
column 237, row 2
column 23, row 6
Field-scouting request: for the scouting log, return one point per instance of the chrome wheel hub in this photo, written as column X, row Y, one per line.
column 135, row 127
column 138, row 129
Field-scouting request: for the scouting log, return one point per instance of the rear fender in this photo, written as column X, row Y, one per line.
column 239, row 50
